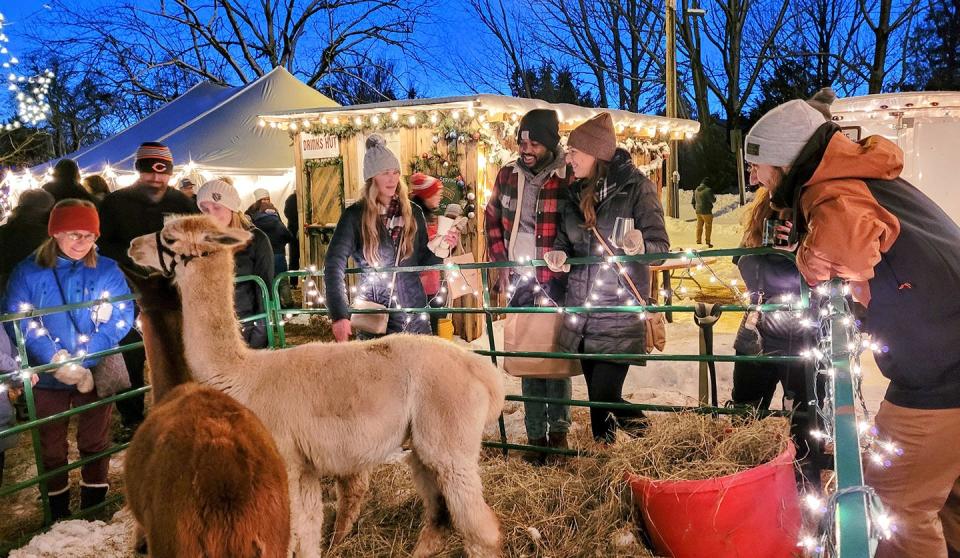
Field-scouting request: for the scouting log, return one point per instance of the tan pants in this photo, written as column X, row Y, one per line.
column 921, row 489
column 704, row 221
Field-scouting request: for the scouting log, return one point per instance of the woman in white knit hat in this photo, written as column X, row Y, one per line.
column 380, row 230
column 220, row 200
column 856, row 219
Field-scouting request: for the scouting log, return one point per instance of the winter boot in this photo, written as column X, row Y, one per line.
column 60, row 506
column 558, row 440
column 92, row 496
column 535, row 457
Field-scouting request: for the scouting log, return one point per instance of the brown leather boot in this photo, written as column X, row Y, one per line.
column 535, row 457
column 558, row 440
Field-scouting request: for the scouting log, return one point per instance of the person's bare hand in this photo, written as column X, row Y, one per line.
column 342, row 330
column 782, row 237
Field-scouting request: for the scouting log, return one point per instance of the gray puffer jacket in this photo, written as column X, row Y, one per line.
column 628, row 194
column 7, row 415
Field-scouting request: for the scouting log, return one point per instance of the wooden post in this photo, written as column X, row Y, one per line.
column 301, row 183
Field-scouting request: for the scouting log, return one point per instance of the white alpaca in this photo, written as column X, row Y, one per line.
column 340, row 409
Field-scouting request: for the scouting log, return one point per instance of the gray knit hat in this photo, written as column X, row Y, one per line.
column 378, row 157
column 779, row 136
column 595, row 137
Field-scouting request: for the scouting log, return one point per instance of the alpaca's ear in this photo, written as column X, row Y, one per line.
column 232, row 237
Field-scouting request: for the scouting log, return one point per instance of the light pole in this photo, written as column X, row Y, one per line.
column 672, row 175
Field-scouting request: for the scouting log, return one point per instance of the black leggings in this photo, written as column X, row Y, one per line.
column 605, row 384
column 754, row 384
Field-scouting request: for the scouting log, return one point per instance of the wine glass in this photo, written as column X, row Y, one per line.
column 621, row 227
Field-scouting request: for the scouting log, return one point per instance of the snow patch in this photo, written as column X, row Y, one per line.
column 83, row 539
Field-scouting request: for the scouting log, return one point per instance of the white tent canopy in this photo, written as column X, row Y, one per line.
column 212, row 130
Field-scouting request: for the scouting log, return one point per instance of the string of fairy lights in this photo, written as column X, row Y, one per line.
column 879, row 451
column 34, row 326
column 31, row 92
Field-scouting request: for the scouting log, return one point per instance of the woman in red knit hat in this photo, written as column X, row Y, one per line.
column 426, row 192
column 66, row 270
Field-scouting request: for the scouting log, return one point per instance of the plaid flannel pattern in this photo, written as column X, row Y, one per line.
column 498, row 219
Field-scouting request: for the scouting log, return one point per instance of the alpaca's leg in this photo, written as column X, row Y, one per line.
column 436, row 517
column 306, row 512
column 351, row 494
column 311, row 526
column 463, row 492
column 449, row 446
column 139, row 539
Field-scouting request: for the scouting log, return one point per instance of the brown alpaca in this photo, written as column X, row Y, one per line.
column 340, row 409
column 204, row 478
column 198, row 436
column 161, row 321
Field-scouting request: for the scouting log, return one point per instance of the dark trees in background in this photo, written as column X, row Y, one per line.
column 23, row 147
column 369, row 82
column 935, row 49
column 885, row 18
column 546, row 84
column 151, row 52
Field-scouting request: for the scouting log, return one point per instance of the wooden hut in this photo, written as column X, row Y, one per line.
column 463, row 140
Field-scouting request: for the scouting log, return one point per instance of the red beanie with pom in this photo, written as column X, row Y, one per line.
column 424, row 186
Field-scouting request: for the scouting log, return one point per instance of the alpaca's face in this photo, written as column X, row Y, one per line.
column 192, row 236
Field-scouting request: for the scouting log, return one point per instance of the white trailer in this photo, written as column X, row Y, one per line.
column 926, row 125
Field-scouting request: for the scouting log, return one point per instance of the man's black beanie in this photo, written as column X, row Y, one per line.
column 542, row 126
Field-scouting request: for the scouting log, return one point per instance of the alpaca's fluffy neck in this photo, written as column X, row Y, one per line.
column 211, row 335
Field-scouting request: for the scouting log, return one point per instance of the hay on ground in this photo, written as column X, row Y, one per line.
column 568, row 510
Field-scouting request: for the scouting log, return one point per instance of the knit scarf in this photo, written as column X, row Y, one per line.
column 392, row 219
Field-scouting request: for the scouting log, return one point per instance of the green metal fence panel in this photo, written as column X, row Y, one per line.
column 33, row 424
column 852, row 514
column 852, row 508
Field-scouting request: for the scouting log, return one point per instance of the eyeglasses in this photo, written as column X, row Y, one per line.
column 76, row 237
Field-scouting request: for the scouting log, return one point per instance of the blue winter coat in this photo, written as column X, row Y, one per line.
column 37, row 287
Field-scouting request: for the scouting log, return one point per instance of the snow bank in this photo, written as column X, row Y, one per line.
column 83, row 539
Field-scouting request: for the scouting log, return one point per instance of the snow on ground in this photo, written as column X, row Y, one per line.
column 667, row 383
column 83, row 539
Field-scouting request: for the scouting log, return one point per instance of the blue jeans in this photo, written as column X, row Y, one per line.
column 539, row 418
column 279, row 263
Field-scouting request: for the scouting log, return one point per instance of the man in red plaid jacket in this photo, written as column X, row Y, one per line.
column 533, row 187
column 521, row 221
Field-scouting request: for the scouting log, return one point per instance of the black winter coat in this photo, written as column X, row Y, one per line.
column 347, row 243
column 255, row 259
column 65, row 189
column 293, row 225
column 630, row 194
column 19, row 237
column 270, row 223
column 775, row 276
column 128, row 213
